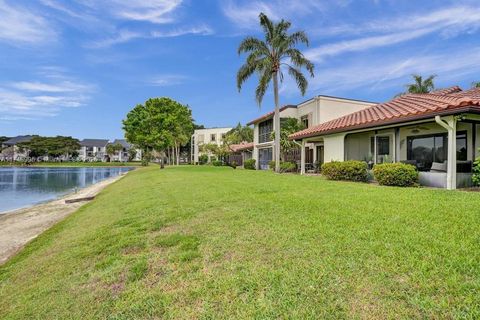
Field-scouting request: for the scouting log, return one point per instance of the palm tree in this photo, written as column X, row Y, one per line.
column 476, row 84
column 421, row 85
column 267, row 59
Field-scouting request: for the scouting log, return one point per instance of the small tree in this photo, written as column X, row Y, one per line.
column 132, row 153
column 113, row 148
column 289, row 126
column 238, row 135
column 476, row 84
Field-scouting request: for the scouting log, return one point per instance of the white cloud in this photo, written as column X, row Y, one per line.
column 124, row 36
column 153, row 11
column 447, row 22
column 38, row 99
column 393, row 71
column 367, row 43
column 164, row 80
column 245, row 14
column 19, row 25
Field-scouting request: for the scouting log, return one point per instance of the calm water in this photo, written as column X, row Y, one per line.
column 21, row 187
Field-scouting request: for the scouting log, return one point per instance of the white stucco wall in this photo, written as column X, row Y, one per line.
column 334, row 147
column 332, row 108
column 203, row 136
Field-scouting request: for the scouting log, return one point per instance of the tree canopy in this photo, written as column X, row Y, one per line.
column 289, row 126
column 421, row 85
column 159, row 124
column 51, row 146
column 238, row 135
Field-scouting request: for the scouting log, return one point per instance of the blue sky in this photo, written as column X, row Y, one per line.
column 77, row 67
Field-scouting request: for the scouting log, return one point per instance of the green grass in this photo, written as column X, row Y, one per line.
column 73, row 164
column 211, row 242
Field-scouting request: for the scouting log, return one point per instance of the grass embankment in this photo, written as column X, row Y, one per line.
column 208, row 242
column 71, row 164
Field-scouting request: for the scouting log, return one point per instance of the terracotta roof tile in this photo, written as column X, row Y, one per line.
column 403, row 108
column 270, row 114
column 241, row 146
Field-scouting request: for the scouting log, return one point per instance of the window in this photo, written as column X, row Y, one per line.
column 264, row 157
column 383, row 146
column 213, row 137
column 304, row 120
column 265, row 129
column 434, row 148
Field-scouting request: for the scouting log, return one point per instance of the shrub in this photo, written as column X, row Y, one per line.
column 233, row 164
column 202, row 159
column 249, row 164
column 271, row 164
column 395, row 174
column 288, row 167
column 476, row 172
column 347, row 170
column 217, row 163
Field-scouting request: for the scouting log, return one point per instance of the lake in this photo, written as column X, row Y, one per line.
column 22, row 187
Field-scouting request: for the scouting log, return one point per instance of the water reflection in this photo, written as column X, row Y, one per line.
column 20, row 187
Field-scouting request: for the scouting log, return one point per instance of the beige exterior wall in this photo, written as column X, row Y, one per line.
column 204, row 136
column 334, row 147
column 333, row 108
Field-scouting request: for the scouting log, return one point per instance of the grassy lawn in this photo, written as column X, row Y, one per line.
column 73, row 164
column 209, row 242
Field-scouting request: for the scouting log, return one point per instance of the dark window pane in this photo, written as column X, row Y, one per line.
column 462, row 146
column 383, row 146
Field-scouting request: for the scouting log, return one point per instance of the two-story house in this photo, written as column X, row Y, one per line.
column 123, row 155
column 206, row 136
column 311, row 112
column 10, row 151
column 93, row 150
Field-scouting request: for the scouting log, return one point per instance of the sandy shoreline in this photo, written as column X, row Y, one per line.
column 20, row 226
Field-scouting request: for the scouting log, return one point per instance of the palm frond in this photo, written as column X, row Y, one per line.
column 300, row 79
column 250, row 44
column 267, row 26
column 262, row 86
column 298, row 60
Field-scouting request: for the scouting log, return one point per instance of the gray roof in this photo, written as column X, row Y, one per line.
column 94, row 143
column 122, row 142
column 13, row 141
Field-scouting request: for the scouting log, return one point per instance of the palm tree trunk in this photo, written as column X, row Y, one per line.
column 276, row 123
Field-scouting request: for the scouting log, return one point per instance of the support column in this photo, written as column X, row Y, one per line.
column 302, row 158
column 450, row 124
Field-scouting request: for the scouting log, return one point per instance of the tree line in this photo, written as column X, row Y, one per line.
column 54, row 147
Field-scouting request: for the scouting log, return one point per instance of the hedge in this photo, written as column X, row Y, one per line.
column 288, row 167
column 396, row 174
column 346, row 170
column 217, row 163
column 249, row 164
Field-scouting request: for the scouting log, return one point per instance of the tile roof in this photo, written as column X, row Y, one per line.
column 123, row 143
column 241, row 146
column 93, row 142
column 17, row 139
column 270, row 114
column 404, row 108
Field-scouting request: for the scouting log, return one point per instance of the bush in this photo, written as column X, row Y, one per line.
column 346, row 170
column 249, row 164
column 233, row 164
column 202, row 159
column 476, row 172
column 288, row 167
column 271, row 164
column 217, row 163
column 395, row 174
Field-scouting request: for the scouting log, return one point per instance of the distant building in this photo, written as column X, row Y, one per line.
column 124, row 154
column 10, row 150
column 93, row 150
column 206, row 136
